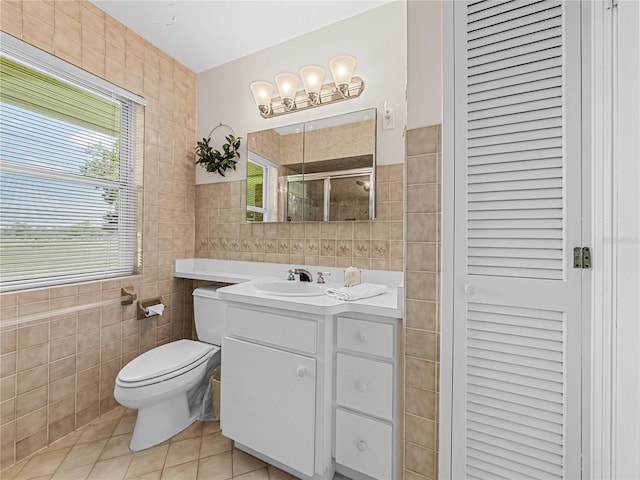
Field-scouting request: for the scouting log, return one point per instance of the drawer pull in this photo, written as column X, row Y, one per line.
column 362, row 445
column 301, row 372
column 362, row 385
column 362, row 337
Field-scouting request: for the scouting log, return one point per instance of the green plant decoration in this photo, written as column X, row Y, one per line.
column 214, row 160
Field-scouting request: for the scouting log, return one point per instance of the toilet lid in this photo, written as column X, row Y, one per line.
column 165, row 359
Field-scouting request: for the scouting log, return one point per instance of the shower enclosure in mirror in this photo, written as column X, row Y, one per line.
column 322, row 170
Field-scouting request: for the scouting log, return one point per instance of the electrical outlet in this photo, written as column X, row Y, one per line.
column 388, row 120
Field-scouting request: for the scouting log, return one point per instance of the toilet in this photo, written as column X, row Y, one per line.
column 158, row 382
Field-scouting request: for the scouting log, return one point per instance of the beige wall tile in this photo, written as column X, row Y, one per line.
column 396, row 172
column 62, row 388
column 87, row 415
column 421, row 403
column 7, row 411
column 421, row 315
column 62, row 327
column 62, row 368
column 8, row 388
column 420, row 373
column 31, row 379
column 8, row 313
column 422, row 227
column 422, row 198
column 8, row 341
column 69, row 25
column 40, row 10
column 420, row 431
column 31, row 423
column 63, row 348
column 420, row 460
column 39, row 33
column 8, row 434
column 422, row 169
column 88, row 379
column 421, row 344
column 422, row 256
column 31, row 444
column 62, row 409
column 31, row 296
column 8, row 365
column 11, row 18
column 33, row 335
column 420, row 286
column 31, row 401
column 87, row 399
column 62, row 427
column 422, row 140
column 33, row 357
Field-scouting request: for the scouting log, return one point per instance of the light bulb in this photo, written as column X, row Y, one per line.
column 312, row 78
column 342, row 70
column 287, row 87
column 262, row 93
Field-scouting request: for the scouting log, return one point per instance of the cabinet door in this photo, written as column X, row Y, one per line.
column 268, row 402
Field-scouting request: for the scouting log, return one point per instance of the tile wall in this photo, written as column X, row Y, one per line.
column 222, row 231
column 422, row 306
column 57, row 373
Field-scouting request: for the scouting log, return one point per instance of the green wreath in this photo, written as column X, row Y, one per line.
column 215, row 160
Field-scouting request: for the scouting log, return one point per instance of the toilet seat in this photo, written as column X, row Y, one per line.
column 165, row 362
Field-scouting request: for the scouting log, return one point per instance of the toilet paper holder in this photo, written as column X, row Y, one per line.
column 143, row 306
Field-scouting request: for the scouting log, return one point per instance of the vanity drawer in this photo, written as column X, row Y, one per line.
column 367, row 337
column 364, row 444
column 365, row 385
column 271, row 328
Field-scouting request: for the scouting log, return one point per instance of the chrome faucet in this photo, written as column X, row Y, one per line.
column 305, row 275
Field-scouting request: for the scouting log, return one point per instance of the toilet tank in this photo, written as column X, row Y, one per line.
column 209, row 314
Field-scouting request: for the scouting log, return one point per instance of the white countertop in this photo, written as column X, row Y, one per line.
column 244, row 274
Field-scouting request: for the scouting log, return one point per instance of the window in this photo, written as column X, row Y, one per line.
column 258, row 185
column 67, row 173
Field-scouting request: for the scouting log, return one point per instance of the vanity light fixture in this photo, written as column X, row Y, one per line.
column 315, row 93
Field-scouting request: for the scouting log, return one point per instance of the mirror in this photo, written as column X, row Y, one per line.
column 321, row 170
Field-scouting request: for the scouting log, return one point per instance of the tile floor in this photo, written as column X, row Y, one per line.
column 100, row 450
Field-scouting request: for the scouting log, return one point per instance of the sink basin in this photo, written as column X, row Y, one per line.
column 287, row 288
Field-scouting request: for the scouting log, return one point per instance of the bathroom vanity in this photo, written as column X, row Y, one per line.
column 309, row 383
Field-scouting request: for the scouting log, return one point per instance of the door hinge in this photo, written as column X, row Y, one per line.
column 581, row 257
column 611, row 4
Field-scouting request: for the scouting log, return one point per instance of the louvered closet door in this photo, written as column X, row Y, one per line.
column 517, row 408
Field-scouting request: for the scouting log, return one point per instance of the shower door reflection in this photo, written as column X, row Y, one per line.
column 305, row 199
column 350, row 198
column 335, row 196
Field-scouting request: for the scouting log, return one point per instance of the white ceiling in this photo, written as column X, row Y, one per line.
column 202, row 34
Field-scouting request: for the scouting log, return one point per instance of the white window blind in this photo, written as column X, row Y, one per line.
column 67, row 175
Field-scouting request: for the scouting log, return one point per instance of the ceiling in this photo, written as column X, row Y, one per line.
column 202, row 34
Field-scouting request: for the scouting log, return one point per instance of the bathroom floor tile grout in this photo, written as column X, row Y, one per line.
column 82, row 457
